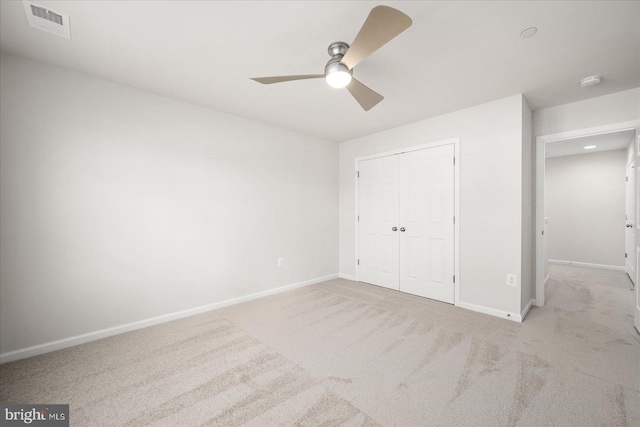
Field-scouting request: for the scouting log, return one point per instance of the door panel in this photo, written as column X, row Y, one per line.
column 413, row 257
column 426, row 214
column 437, row 260
column 636, row 314
column 630, row 222
column 378, row 209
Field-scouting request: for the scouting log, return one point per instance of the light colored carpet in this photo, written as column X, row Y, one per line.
column 351, row 354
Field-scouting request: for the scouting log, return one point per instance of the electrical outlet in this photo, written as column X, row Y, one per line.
column 281, row 262
column 512, row 279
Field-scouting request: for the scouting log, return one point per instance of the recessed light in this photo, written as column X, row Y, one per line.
column 529, row 32
column 589, row 147
column 590, row 81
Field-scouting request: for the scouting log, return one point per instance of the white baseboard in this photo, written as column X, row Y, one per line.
column 587, row 264
column 530, row 304
column 104, row 333
column 516, row 317
column 347, row 277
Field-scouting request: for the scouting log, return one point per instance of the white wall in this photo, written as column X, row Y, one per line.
column 617, row 107
column 118, row 205
column 490, row 191
column 630, row 151
column 585, row 198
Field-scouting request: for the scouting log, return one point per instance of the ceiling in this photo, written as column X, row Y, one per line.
column 456, row 55
column 603, row 142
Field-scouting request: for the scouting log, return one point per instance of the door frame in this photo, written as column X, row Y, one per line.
column 539, row 199
column 456, row 201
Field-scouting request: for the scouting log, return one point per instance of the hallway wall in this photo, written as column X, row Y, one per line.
column 585, row 200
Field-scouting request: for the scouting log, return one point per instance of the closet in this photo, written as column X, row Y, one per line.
column 406, row 224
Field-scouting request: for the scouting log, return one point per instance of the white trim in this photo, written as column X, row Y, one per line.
column 456, row 197
column 348, row 277
column 587, row 264
column 434, row 144
column 516, row 317
column 636, row 304
column 456, row 229
column 356, row 216
column 530, row 304
column 104, row 333
column 598, row 130
column 540, row 221
column 546, row 279
column 540, row 144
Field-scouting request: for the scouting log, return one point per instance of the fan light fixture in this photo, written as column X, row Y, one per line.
column 337, row 75
column 382, row 25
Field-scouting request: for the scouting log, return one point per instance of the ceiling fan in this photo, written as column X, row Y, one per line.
column 382, row 25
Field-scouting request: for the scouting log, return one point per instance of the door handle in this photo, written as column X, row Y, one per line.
column 629, row 226
column 402, row 229
column 394, row 229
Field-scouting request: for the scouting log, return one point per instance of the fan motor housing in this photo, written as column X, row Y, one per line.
column 338, row 48
column 337, row 51
column 335, row 66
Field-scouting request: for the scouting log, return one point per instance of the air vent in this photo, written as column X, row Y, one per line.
column 45, row 19
column 46, row 14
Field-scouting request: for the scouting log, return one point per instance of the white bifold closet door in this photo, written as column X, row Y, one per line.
column 406, row 224
column 378, row 185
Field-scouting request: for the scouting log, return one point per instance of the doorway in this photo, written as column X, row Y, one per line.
column 567, row 139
